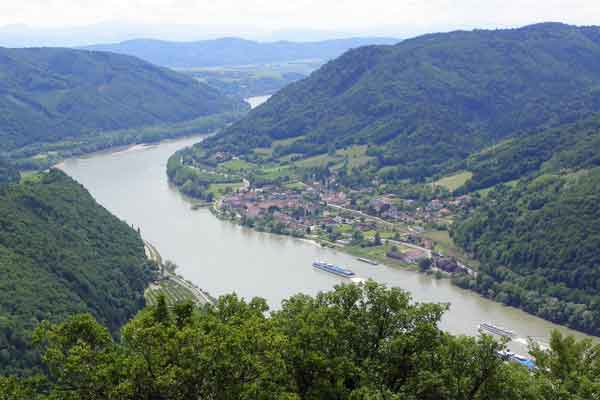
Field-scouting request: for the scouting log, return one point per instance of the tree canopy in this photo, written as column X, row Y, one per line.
column 355, row 342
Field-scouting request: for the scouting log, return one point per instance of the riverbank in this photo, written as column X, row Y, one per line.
column 375, row 253
column 174, row 287
column 41, row 156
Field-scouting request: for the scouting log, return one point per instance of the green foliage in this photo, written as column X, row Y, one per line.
column 62, row 253
column 42, row 155
column 538, row 243
column 353, row 343
column 356, row 342
column 570, row 146
column 49, row 95
column 8, row 173
column 427, row 103
column 570, row 368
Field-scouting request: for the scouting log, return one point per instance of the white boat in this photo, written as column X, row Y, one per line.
column 496, row 330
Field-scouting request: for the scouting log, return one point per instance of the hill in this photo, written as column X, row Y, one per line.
column 61, row 253
column 538, row 243
column 52, row 94
column 431, row 101
column 233, row 51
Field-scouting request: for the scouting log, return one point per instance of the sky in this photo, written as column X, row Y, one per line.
column 197, row 19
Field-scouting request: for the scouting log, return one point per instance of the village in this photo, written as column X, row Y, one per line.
column 378, row 228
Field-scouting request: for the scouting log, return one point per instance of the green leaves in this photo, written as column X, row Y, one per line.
column 357, row 342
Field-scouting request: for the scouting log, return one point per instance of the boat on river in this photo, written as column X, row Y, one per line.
column 333, row 269
column 496, row 330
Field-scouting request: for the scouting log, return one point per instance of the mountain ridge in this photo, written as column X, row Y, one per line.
column 228, row 51
column 433, row 99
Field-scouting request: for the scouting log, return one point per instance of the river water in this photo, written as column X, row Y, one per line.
column 221, row 257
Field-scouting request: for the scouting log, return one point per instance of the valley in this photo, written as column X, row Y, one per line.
column 355, row 218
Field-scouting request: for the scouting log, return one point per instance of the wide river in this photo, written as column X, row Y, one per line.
column 221, row 257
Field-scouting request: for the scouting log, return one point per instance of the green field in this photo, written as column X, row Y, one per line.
column 356, row 155
column 276, row 172
column 237, row 165
column 268, row 151
column 455, row 181
column 295, row 186
column 316, row 161
column 218, row 189
column 445, row 245
column 484, row 192
column 378, row 253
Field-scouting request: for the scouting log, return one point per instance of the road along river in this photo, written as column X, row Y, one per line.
column 221, row 257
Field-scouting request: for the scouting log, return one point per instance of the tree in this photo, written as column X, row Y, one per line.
column 377, row 239
column 357, row 238
column 362, row 341
column 425, row 264
column 571, row 369
column 161, row 311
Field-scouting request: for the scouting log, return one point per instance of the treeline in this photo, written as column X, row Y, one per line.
column 62, row 253
column 538, row 243
column 356, row 342
column 43, row 155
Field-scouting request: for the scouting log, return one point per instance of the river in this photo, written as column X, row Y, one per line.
column 221, row 257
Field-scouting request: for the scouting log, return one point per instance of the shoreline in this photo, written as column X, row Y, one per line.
column 387, row 262
column 124, row 149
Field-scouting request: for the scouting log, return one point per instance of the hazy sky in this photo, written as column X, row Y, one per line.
column 398, row 17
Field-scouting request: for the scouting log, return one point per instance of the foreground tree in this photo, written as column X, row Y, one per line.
column 355, row 342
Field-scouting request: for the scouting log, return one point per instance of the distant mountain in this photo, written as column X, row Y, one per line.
column 233, row 51
column 49, row 94
column 61, row 253
column 432, row 100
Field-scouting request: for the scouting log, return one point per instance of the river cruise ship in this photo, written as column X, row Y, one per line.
column 496, row 330
column 333, row 269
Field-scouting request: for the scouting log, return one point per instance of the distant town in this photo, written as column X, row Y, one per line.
column 381, row 228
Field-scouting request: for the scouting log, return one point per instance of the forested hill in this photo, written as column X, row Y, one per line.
column 432, row 99
column 538, row 243
column 61, row 253
column 234, row 51
column 48, row 94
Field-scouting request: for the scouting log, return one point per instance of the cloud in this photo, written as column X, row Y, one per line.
column 333, row 15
